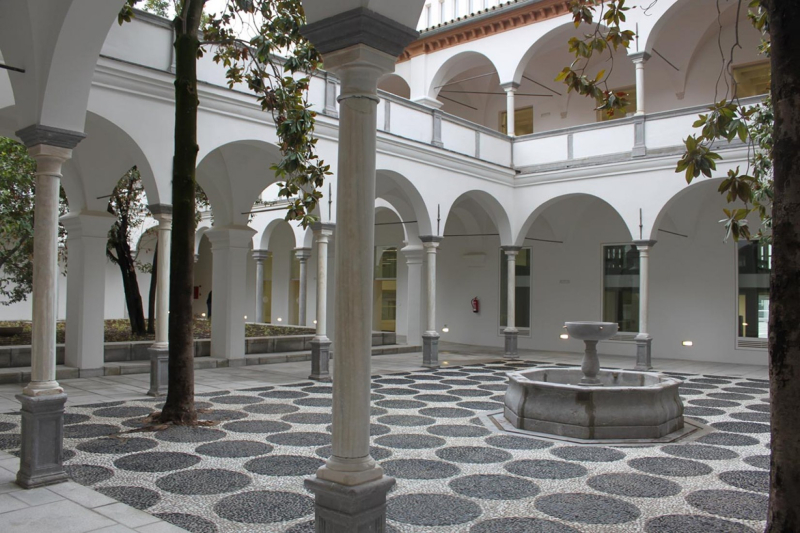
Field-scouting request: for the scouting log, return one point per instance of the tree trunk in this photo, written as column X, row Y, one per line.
column 179, row 407
column 151, row 303
column 784, row 313
column 130, row 284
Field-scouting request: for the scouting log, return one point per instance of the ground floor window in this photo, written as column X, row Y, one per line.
column 522, row 293
column 621, row 286
column 385, row 289
column 754, row 266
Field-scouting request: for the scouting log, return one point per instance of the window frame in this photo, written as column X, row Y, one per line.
column 523, row 331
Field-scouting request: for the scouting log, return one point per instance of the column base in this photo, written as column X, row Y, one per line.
column 644, row 344
column 320, row 359
column 159, row 370
column 42, row 440
column 511, row 344
column 350, row 509
column 430, row 349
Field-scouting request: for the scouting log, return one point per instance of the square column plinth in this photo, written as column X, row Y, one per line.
column 511, row 344
column 159, row 370
column 42, row 440
column 350, row 509
column 430, row 349
column 320, row 359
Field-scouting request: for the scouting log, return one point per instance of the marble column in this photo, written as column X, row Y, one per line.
column 42, row 400
column 159, row 351
column 639, row 59
column 430, row 339
column 302, row 255
column 643, row 340
column 510, row 89
column 511, row 331
column 413, row 255
column 350, row 489
column 320, row 344
column 230, row 247
column 87, row 238
column 260, row 256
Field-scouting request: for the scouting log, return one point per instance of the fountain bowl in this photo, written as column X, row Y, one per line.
column 591, row 331
column 623, row 404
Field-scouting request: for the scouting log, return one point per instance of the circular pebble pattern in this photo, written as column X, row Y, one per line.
column 693, row 524
column 233, row 448
column 156, row 461
column 667, row 466
column 730, row 503
column 588, row 454
column 545, row 469
column 284, row 465
column 634, row 485
column 264, row 507
column 473, row 454
column 419, row 469
column 203, row 481
column 494, row 487
column 587, row 508
column 700, row 452
column 137, row 497
column 432, row 510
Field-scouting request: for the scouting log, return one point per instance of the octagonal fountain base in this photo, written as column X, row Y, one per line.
column 623, row 405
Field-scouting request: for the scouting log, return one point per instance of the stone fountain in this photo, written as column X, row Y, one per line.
column 593, row 404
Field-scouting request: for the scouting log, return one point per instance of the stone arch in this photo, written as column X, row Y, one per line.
column 404, row 197
column 455, row 64
column 493, row 208
column 395, row 84
column 544, row 206
column 698, row 188
column 233, row 174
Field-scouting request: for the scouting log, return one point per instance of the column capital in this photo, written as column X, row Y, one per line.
column 509, row 86
column 427, row 239
column 511, row 250
column 644, row 244
column 230, row 237
column 303, row 254
column 359, row 26
column 37, row 135
column 162, row 213
column 49, row 159
column 639, row 57
column 325, row 228
column 87, row 224
column 412, row 253
column 261, row 255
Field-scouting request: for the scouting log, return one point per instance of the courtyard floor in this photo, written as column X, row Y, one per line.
column 454, row 471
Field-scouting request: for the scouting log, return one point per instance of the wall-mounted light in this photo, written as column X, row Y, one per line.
column 563, row 336
column 315, row 321
column 745, row 324
column 245, row 317
column 445, row 363
column 687, row 343
column 280, row 319
column 445, row 329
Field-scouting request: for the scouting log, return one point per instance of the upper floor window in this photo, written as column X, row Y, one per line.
column 752, row 79
column 523, row 121
column 442, row 17
column 456, row 11
column 627, row 111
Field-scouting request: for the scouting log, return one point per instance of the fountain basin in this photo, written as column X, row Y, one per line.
column 623, row 405
column 591, row 331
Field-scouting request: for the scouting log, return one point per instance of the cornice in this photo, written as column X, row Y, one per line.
column 485, row 25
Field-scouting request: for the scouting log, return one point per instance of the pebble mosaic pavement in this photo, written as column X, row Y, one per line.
column 453, row 473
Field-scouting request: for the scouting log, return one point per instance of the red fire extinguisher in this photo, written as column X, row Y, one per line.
column 476, row 305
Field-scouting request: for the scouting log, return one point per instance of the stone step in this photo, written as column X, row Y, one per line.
column 290, row 357
column 22, row 374
column 141, row 367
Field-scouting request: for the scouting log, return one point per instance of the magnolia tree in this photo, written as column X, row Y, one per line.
column 273, row 62
column 17, row 193
column 769, row 188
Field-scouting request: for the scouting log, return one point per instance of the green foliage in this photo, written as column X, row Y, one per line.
column 608, row 37
column 727, row 120
column 17, row 193
column 275, row 65
column 128, row 203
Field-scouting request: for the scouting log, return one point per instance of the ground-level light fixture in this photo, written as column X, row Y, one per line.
column 245, row 317
column 280, row 319
column 203, row 315
column 315, row 321
column 563, row 336
column 445, row 329
column 687, row 343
